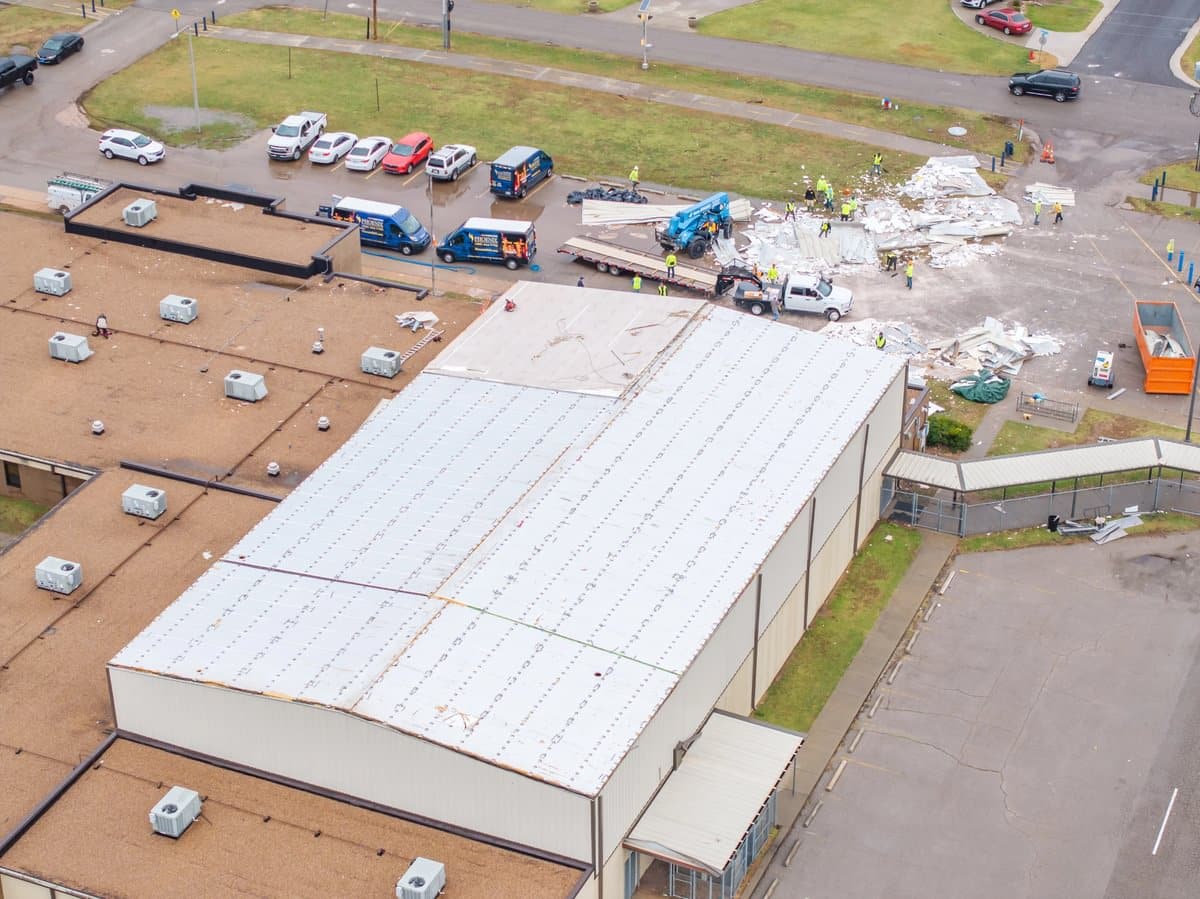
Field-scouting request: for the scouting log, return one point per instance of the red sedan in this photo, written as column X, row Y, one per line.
column 1007, row 20
column 408, row 153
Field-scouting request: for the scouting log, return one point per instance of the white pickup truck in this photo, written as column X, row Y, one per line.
column 295, row 134
column 798, row 293
column 66, row 191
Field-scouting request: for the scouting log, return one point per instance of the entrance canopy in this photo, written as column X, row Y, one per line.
column 704, row 811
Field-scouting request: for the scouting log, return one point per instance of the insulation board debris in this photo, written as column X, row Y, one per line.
column 939, row 178
column 1049, row 194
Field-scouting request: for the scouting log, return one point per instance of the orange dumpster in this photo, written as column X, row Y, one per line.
column 1164, row 346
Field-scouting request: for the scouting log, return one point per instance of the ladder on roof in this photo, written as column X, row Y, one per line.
column 80, row 182
column 416, row 347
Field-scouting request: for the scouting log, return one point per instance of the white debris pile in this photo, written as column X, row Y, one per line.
column 957, row 255
column 1161, row 344
column 417, row 320
column 1049, row 194
column 948, row 176
column 993, row 346
column 796, row 246
column 901, row 337
column 954, row 217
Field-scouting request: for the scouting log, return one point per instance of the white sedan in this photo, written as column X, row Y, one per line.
column 131, row 145
column 368, row 153
column 332, row 146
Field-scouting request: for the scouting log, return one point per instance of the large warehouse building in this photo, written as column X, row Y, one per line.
column 512, row 600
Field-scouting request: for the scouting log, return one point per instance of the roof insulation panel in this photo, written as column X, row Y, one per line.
column 523, row 573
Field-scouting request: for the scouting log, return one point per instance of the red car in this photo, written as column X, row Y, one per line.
column 408, row 153
column 1007, row 20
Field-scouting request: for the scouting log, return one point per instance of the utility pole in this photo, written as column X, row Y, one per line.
column 433, row 239
column 447, row 8
column 374, row 20
column 645, row 17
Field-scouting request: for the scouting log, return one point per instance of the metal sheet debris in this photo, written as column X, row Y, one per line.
column 1049, row 194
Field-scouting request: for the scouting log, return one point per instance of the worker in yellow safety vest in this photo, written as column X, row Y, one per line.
column 773, row 273
column 637, row 283
column 671, row 260
column 789, row 211
column 846, row 211
column 877, row 164
column 634, row 178
column 880, row 341
column 662, row 288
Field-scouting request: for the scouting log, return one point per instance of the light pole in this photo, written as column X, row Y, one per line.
column 1194, row 109
column 644, row 15
column 432, row 239
column 195, row 89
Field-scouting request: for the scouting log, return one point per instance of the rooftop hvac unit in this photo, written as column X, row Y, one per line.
column 145, row 502
column 175, row 812
column 69, row 347
column 140, row 213
column 178, row 309
column 424, row 879
column 58, row 575
column 51, row 280
column 245, row 385
column 378, row 361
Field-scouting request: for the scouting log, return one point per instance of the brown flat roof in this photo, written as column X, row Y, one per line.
column 252, row 837
column 160, row 407
column 224, row 225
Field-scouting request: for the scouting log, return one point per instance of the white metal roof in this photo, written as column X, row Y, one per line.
column 545, row 564
column 1046, row 465
column 371, row 207
column 703, row 811
column 487, row 224
column 926, row 469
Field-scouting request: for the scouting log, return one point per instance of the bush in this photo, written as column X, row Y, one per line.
column 948, row 432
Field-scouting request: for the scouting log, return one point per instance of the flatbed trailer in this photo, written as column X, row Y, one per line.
column 618, row 260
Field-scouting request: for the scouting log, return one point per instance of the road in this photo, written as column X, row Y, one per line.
column 1136, row 41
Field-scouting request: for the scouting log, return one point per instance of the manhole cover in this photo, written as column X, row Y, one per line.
column 956, row 130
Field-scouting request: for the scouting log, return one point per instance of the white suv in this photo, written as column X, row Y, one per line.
column 131, row 145
column 450, row 161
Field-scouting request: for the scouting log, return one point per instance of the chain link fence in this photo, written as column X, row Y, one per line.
column 932, row 511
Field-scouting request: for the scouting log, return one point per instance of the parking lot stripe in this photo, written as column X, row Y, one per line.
column 411, row 178
column 375, row 171
column 1167, row 815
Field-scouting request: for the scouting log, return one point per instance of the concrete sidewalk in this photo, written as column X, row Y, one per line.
column 630, row 90
column 827, row 732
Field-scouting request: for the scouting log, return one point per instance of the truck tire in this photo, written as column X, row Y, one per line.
column 28, row 78
column 602, row 267
column 696, row 248
column 832, row 314
column 448, row 257
column 757, row 308
column 511, row 263
column 615, row 270
column 295, row 154
column 405, row 249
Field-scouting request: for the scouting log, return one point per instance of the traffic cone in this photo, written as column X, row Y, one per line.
column 1048, row 152
column 1032, row 55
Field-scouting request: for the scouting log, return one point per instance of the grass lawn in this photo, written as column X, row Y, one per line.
column 829, row 646
column 1155, row 523
column 1063, row 15
column 1166, row 210
column 1182, row 175
column 1190, row 57
column 588, row 134
column 18, row 515
column 1022, row 437
column 25, row 26
column 922, row 33
column 985, row 134
column 960, row 409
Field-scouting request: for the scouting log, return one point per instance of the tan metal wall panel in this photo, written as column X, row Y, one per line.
column 829, row 563
column 12, row 888
column 348, row 754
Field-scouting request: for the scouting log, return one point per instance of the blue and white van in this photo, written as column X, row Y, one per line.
column 519, row 170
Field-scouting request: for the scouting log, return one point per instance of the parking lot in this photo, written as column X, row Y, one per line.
column 1032, row 741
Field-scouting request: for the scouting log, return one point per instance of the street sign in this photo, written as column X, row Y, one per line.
column 175, row 14
column 645, row 6
column 1043, row 36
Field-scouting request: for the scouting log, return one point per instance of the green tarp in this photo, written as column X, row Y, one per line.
column 982, row 387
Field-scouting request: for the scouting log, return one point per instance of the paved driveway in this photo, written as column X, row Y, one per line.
column 1031, row 743
column 1136, row 41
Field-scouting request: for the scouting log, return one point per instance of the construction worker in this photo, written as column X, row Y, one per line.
column 637, row 283
column 810, row 198
column 634, row 178
column 880, row 341
column 846, row 210
column 662, row 288
column 1037, row 210
column 102, row 328
column 890, row 260
column 826, row 227
column 853, row 205
column 877, row 164
column 829, row 197
column 1170, row 249
column 908, row 273
column 789, row 211
column 773, row 274
column 822, row 184
column 579, row 283
column 1057, row 210
column 671, row 260
column 774, row 301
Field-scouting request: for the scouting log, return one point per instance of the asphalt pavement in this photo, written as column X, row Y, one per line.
column 1137, row 40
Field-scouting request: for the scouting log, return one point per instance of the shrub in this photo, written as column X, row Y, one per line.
column 948, row 432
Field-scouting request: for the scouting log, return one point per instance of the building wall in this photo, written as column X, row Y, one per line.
column 36, row 484
column 340, row 752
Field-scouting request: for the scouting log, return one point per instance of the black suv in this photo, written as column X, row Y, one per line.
column 1047, row 83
